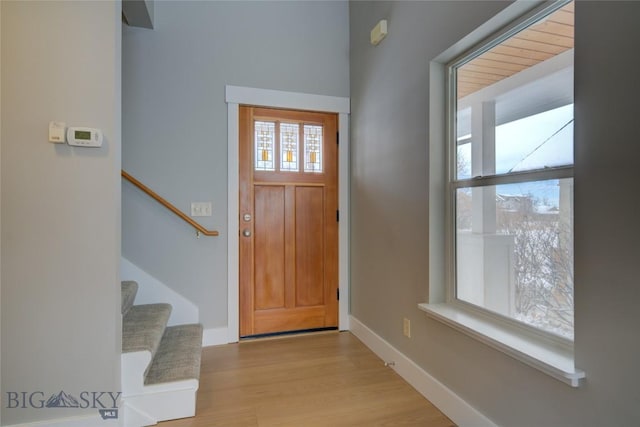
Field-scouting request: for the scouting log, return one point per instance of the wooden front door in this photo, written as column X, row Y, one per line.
column 288, row 221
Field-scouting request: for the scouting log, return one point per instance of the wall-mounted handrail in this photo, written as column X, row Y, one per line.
column 200, row 229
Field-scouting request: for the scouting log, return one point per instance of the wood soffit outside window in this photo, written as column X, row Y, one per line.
column 550, row 37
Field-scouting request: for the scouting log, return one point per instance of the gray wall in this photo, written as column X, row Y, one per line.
column 175, row 120
column 0, row 207
column 389, row 202
column 60, row 205
column 606, row 216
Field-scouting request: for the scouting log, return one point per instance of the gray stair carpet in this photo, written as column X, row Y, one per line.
column 128, row 291
column 143, row 327
column 178, row 357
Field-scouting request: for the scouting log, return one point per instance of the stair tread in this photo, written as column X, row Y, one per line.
column 178, row 357
column 128, row 291
column 143, row 327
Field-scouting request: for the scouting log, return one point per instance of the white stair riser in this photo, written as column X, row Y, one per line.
column 146, row 405
column 133, row 366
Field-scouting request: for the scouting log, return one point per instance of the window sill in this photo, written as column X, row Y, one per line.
column 544, row 354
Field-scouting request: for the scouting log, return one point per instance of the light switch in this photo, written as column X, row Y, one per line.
column 201, row 209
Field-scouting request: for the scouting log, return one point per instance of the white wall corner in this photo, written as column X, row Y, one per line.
column 152, row 290
column 215, row 336
column 452, row 405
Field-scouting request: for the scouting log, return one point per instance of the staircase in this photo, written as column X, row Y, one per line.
column 160, row 364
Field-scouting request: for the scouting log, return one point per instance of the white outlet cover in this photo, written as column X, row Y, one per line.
column 201, row 209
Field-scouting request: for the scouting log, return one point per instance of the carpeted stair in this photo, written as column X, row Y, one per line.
column 160, row 364
column 128, row 293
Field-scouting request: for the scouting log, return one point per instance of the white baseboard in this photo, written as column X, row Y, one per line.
column 133, row 417
column 84, row 421
column 452, row 405
column 151, row 290
column 215, row 336
column 162, row 406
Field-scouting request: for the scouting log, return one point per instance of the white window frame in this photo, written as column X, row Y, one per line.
column 547, row 352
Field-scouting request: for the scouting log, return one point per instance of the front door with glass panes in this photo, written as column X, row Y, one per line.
column 288, row 221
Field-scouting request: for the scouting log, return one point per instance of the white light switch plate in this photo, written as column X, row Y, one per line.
column 201, row 209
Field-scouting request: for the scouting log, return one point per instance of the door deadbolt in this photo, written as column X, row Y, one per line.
column 247, row 217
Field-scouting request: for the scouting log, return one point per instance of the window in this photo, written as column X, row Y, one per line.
column 274, row 139
column 265, row 134
column 511, row 174
column 289, row 146
column 312, row 148
column 502, row 211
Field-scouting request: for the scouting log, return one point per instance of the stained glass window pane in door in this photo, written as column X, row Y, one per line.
column 264, row 141
column 312, row 148
column 289, row 146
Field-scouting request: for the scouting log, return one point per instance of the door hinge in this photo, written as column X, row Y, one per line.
column 338, row 294
column 338, row 138
column 337, row 216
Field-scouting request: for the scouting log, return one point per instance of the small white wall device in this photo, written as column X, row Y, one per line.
column 57, row 132
column 84, row 137
column 379, row 32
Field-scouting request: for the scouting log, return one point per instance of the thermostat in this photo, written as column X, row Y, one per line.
column 84, row 137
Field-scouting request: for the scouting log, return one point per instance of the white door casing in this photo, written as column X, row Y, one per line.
column 235, row 96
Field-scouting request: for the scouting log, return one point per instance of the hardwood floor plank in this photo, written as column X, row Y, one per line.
column 326, row 379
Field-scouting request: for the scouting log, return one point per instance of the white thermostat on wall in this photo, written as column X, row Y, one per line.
column 84, row 137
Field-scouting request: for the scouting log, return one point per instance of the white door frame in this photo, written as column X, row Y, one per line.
column 235, row 96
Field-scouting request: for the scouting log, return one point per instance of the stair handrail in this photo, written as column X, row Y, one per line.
column 199, row 228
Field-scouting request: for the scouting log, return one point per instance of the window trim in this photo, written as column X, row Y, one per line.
column 542, row 353
column 556, row 172
column 545, row 351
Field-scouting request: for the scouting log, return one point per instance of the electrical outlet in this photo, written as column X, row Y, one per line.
column 406, row 328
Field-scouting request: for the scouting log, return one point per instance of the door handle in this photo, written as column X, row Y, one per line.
column 246, row 232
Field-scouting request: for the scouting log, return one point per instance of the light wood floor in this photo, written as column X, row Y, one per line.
column 328, row 379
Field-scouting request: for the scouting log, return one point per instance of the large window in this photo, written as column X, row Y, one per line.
column 511, row 174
